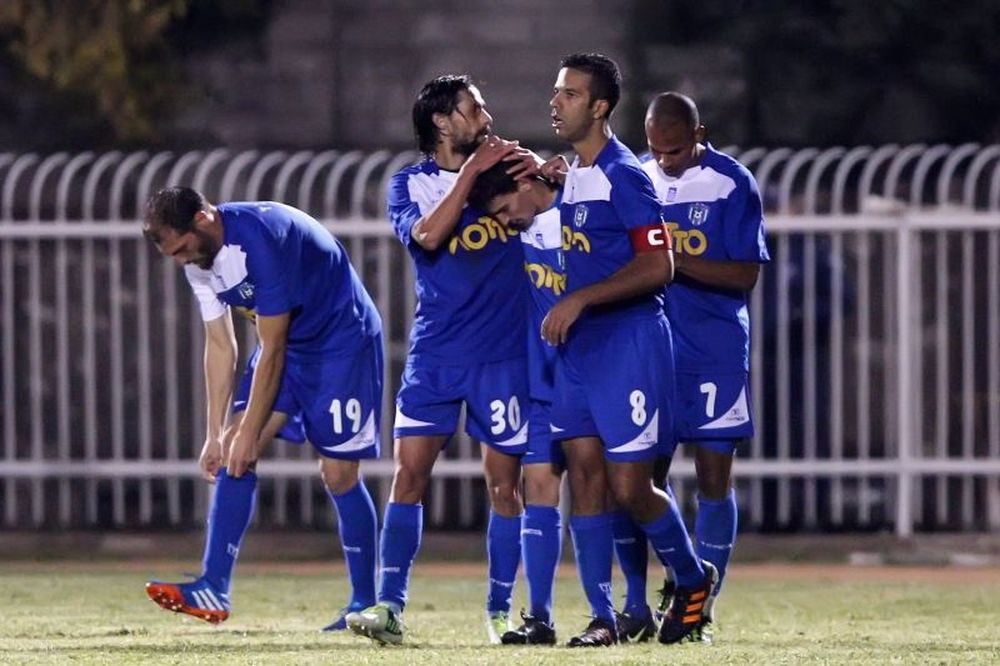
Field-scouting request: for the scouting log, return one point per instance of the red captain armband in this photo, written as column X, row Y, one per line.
column 651, row 238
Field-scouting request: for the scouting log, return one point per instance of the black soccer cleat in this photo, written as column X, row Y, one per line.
column 635, row 629
column 532, row 632
column 666, row 594
column 688, row 608
column 599, row 633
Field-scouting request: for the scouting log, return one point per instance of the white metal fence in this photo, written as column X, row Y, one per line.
column 876, row 359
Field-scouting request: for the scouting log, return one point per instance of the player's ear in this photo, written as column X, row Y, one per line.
column 699, row 133
column 524, row 184
column 600, row 109
column 440, row 121
column 202, row 219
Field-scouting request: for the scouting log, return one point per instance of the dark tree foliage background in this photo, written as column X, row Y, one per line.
column 97, row 73
column 848, row 71
column 94, row 73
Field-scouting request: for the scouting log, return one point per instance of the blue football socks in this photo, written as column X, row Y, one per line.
column 541, row 545
column 633, row 558
column 228, row 519
column 670, row 540
column 401, row 532
column 357, row 523
column 715, row 532
column 593, row 543
column 503, row 549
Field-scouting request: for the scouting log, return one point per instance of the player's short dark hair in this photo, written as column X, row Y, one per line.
column 439, row 95
column 173, row 207
column 605, row 77
column 491, row 183
column 673, row 107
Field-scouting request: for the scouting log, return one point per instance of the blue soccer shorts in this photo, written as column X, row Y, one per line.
column 616, row 381
column 714, row 409
column 495, row 396
column 335, row 403
column 543, row 448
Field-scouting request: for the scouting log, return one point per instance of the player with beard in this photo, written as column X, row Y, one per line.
column 470, row 286
column 316, row 374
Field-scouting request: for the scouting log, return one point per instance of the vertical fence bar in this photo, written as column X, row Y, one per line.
column 904, row 397
column 63, row 376
column 21, row 164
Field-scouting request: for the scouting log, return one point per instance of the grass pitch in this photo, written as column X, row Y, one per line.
column 99, row 614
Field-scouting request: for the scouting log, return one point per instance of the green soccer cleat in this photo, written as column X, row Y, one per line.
column 379, row 622
column 497, row 624
column 701, row 634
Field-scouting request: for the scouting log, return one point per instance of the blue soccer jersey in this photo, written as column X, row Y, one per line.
column 542, row 243
column 601, row 204
column 276, row 259
column 470, row 289
column 714, row 212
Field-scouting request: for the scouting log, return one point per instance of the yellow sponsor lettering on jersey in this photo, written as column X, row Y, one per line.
column 249, row 313
column 575, row 240
column 687, row 241
column 543, row 277
column 476, row 236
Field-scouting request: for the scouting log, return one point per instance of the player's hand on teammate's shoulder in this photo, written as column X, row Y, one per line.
column 489, row 152
column 211, row 459
column 556, row 325
column 555, row 169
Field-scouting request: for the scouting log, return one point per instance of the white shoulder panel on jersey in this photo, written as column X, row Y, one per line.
column 586, row 184
column 209, row 304
column 427, row 189
column 698, row 184
column 228, row 270
column 545, row 232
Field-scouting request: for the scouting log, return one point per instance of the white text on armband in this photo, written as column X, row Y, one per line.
column 651, row 238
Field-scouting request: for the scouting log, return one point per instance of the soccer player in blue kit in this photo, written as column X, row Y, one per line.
column 613, row 397
column 470, row 285
column 316, row 374
column 530, row 206
column 713, row 208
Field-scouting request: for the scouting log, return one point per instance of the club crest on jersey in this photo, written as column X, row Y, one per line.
column 246, row 290
column 580, row 215
column 698, row 214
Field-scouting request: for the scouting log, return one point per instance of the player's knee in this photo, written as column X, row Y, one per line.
column 409, row 484
column 339, row 475
column 714, row 487
column 505, row 499
column 542, row 489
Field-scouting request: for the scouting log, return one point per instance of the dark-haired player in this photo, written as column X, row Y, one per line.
column 614, row 373
column 713, row 208
column 316, row 374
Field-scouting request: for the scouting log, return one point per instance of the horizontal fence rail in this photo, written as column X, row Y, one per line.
column 875, row 366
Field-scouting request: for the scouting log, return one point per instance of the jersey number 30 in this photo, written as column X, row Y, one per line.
column 513, row 415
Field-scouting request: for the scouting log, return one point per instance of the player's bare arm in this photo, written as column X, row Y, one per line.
column 220, row 366
column 646, row 272
column 732, row 275
column 433, row 230
column 273, row 335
